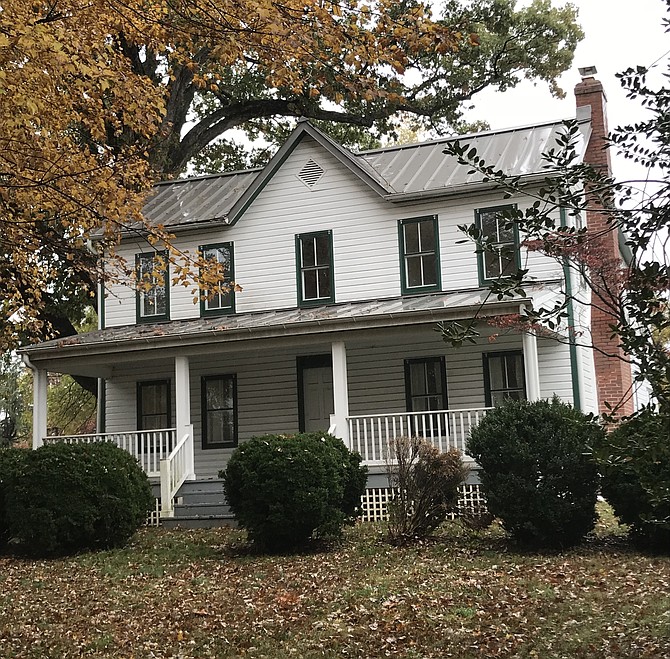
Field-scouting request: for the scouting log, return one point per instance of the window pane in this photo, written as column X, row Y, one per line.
column 309, row 290
column 491, row 265
column 324, row 282
column 429, row 270
column 496, row 375
column 414, row 274
column 514, row 371
column 323, row 250
column 506, row 259
column 417, row 373
column 427, row 230
column 489, row 226
column 220, row 427
column 411, row 237
column 433, row 381
column 308, row 255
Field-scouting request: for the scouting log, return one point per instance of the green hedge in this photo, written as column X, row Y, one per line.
column 285, row 490
column 635, row 464
column 65, row 498
column 10, row 459
column 537, row 472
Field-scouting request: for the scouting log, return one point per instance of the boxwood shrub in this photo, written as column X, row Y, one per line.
column 635, row 465
column 10, row 459
column 537, row 471
column 286, row 489
column 65, row 498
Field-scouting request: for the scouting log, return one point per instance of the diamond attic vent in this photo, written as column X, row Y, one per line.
column 311, row 173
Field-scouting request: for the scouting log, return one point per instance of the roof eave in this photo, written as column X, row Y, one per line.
column 207, row 337
column 463, row 188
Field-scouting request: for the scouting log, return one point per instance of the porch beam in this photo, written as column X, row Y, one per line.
column 531, row 365
column 340, row 390
column 183, row 407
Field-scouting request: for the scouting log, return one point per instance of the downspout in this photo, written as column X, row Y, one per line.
column 575, row 362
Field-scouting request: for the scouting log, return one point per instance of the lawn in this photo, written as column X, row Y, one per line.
column 463, row 594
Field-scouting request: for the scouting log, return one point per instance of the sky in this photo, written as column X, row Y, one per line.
column 618, row 34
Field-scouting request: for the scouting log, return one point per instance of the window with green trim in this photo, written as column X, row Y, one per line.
column 220, row 297
column 314, row 261
column 153, row 287
column 504, row 377
column 219, row 411
column 419, row 254
column 153, row 405
column 501, row 237
column 426, row 384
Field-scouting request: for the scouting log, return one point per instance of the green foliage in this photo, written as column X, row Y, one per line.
column 12, row 402
column 635, row 464
column 426, row 484
column 71, row 409
column 509, row 44
column 285, row 489
column 537, row 473
column 64, row 498
column 10, row 459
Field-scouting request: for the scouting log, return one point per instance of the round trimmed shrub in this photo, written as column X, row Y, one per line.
column 64, row 498
column 537, row 471
column 286, row 489
column 10, row 459
column 635, row 466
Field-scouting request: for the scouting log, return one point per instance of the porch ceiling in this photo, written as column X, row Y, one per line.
column 395, row 312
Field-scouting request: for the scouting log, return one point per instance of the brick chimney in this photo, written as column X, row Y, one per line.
column 613, row 374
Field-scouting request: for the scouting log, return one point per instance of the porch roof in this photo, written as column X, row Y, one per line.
column 289, row 322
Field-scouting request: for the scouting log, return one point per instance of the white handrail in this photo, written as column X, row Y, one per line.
column 148, row 447
column 174, row 470
column 370, row 434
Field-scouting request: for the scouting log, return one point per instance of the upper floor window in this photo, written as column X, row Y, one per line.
column 419, row 255
column 504, row 377
column 501, row 257
column 153, row 287
column 219, row 411
column 218, row 298
column 314, row 257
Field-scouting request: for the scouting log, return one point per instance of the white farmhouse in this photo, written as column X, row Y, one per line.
column 346, row 263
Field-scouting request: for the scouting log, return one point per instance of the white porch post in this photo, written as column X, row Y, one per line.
column 340, row 390
column 183, row 408
column 40, row 382
column 531, row 365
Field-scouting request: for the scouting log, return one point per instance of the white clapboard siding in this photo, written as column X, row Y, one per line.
column 555, row 373
column 365, row 242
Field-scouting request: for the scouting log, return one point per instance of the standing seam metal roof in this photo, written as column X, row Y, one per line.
column 415, row 169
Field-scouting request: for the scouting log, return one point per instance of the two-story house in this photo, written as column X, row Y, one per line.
column 346, row 263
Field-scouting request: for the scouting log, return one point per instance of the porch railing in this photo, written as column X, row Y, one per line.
column 148, row 446
column 369, row 434
column 175, row 469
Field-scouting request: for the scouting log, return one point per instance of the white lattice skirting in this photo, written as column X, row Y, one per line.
column 471, row 503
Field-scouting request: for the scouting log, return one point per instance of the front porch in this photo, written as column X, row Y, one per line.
column 182, row 408
column 169, row 459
